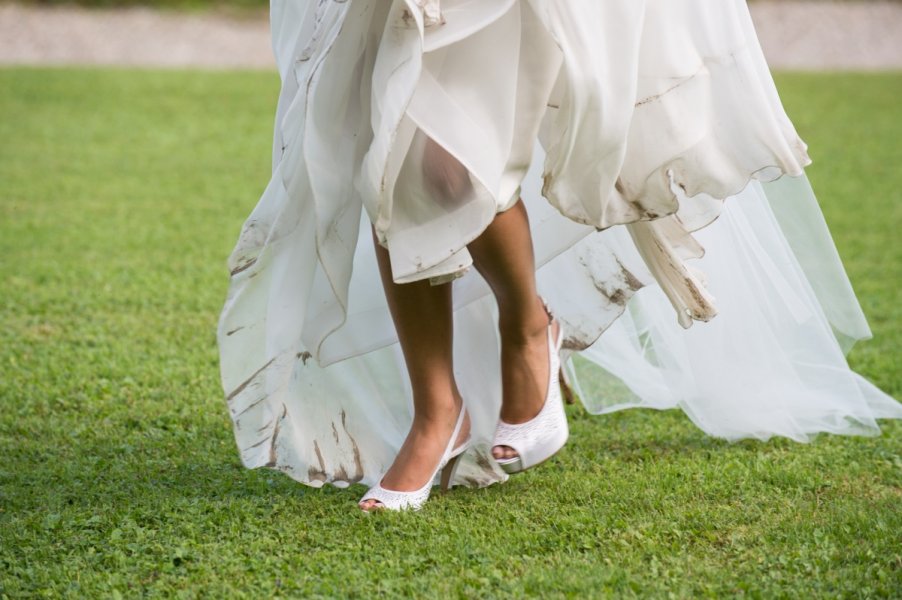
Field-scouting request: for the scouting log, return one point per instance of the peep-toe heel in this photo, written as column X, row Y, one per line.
column 540, row 438
column 414, row 500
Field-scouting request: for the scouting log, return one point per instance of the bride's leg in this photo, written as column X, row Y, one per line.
column 503, row 255
column 423, row 319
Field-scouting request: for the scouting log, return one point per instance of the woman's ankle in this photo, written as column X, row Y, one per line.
column 523, row 325
column 436, row 405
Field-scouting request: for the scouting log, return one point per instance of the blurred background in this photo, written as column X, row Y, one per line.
column 820, row 35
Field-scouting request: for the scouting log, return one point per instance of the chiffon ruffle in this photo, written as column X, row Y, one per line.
column 650, row 115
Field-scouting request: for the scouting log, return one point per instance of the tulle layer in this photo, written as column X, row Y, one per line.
column 771, row 363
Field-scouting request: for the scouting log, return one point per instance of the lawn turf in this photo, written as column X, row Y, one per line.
column 122, row 193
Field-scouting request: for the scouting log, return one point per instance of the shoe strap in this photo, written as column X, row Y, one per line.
column 451, row 450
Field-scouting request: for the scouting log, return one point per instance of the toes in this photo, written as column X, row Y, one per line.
column 368, row 505
column 504, row 452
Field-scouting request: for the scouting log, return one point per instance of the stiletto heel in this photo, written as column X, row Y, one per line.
column 447, row 466
column 540, row 438
column 449, row 471
column 566, row 390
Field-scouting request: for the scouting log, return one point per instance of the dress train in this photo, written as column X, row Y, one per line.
column 668, row 178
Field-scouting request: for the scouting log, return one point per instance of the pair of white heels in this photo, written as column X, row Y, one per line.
column 534, row 441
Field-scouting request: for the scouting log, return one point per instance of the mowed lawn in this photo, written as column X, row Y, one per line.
column 121, row 194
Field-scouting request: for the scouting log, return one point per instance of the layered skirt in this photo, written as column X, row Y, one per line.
column 664, row 185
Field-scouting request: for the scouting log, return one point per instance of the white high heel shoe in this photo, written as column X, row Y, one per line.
column 538, row 439
column 398, row 500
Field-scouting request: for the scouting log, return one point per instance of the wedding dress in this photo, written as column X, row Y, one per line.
column 660, row 174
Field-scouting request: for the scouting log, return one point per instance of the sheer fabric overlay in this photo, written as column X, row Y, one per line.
column 655, row 119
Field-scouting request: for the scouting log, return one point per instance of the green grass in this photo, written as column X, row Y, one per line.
column 122, row 194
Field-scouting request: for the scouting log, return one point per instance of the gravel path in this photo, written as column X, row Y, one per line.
column 795, row 35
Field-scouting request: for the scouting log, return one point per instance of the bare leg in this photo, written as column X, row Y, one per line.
column 423, row 319
column 503, row 254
